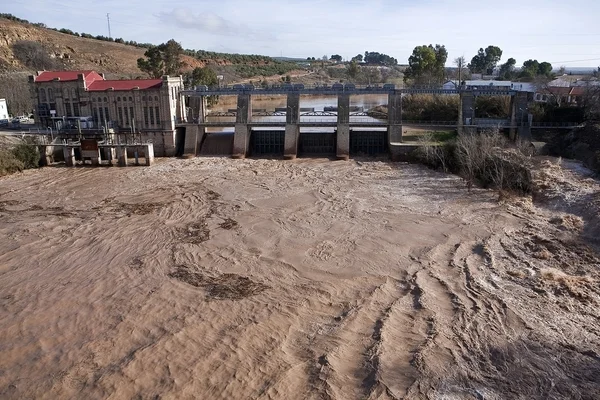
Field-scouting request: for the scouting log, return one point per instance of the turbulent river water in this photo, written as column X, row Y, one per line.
column 212, row 278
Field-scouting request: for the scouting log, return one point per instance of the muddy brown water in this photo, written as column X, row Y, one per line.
column 215, row 278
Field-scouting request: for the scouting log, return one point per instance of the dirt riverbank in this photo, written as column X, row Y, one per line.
column 313, row 279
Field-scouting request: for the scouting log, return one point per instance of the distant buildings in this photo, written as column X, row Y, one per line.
column 85, row 99
column 3, row 110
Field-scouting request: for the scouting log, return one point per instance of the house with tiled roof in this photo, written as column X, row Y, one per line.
column 149, row 106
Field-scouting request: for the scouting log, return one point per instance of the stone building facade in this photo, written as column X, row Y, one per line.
column 86, row 99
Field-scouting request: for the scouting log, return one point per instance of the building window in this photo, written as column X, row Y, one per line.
column 76, row 111
column 66, row 93
column 118, row 98
column 155, row 98
column 105, row 100
column 68, row 110
column 51, row 95
column 96, row 117
column 106, row 114
column 143, row 98
column 120, row 112
column 126, row 116
column 130, row 98
column 43, row 95
column 146, row 117
column 74, row 93
column 131, row 114
column 151, row 116
column 157, row 116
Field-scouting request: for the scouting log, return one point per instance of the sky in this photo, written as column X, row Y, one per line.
column 560, row 32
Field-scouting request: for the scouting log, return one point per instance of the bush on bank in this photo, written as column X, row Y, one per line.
column 484, row 159
column 17, row 159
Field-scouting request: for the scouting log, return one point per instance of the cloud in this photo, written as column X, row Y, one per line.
column 208, row 22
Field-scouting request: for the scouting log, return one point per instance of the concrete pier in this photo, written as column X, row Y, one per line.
column 121, row 156
column 69, row 155
column 109, row 154
column 466, row 111
column 292, row 127
column 343, row 127
column 241, row 135
column 394, row 118
column 519, row 117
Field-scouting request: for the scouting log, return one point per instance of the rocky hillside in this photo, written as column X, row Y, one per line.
column 74, row 52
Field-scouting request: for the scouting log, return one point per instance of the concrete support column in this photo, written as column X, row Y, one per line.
column 149, row 153
column 241, row 136
column 292, row 127
column 122, row 156
column 519, row 118
column 95, row 158
column 69, row 155
column 343, row 127
column 191, row 141
column 466, row 110
column 394, row 118
column 109, row 154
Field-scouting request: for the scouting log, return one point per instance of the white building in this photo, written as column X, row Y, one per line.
column 3, row 109
column 482, row 84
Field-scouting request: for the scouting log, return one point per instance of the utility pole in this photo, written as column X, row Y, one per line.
column 108, row 20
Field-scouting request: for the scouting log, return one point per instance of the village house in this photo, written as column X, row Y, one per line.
column 85, row 99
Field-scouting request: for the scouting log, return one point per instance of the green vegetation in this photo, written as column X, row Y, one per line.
column 273, row 68
column 163, row 59
column 426, row 65
column 21, row 157
column 419, row 107
column 486, row 60
column 70, row 32
column 375, row 58
column 487, row 159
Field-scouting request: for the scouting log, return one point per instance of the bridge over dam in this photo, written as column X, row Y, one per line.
column 350, row 130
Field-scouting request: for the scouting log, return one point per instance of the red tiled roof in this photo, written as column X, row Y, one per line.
column 128, row 84
column 560, row 90
column 66, row 76
column 577, row 91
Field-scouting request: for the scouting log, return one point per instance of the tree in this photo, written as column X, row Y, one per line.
column 507, row 70
column 336, row 58
column 357, row 58
column 379, row 59
column 353, row 69
column 486, row 60
column 33, row 55
column 460, row 63
column 532, row 69
column 545, row 68
column 163, row 59
column 200, row 76
column 426, row 64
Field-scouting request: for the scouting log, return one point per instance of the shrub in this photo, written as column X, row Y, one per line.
column 9, row 163
column 486, row 159
column 26, row 154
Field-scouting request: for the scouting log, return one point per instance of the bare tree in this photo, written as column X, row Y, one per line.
column 34, row 55
column 14, row 87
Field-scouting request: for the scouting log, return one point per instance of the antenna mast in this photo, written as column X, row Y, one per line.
column 108, row 20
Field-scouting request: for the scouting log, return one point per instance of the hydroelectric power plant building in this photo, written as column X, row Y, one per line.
column 85, row 99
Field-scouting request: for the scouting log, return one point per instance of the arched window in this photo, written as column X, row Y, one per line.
column 155, row 98
column 66, row 93
column 105, row 100
column 73, row 93
column 130, row 98
column 51, row 95
column 43, row 97
column 118, row 98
